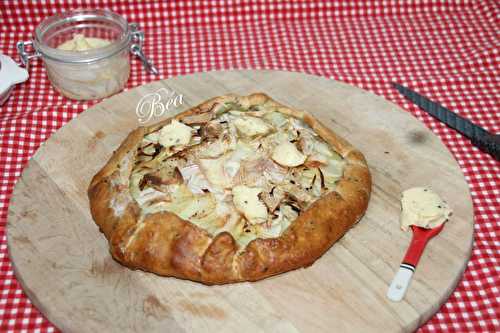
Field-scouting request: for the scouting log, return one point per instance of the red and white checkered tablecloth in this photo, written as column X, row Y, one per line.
column 447, row 50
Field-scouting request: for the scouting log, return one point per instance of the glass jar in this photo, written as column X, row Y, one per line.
column 92, row 73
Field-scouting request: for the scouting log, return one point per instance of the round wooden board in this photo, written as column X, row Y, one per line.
column 62, row 260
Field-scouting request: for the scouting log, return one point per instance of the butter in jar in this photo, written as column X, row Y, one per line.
column 82, row 43
column 86, row 52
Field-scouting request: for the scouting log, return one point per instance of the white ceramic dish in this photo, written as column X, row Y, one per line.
column 10, row 75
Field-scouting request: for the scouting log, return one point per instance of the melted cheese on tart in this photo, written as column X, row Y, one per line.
column 175, row 134
column 287, row 154
column 252, row 126
column 246, row 200
column 253, row 179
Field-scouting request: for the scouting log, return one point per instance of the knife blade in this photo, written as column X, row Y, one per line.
column 479, row 137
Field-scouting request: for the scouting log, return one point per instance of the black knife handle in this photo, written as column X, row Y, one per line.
column 489, row 143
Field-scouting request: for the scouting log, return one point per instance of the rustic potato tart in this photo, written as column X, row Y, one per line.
column 238, row 188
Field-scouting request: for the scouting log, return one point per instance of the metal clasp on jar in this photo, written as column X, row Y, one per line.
column 137, row 37
column 25, row 55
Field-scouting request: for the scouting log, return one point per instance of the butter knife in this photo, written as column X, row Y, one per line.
column 479, row 137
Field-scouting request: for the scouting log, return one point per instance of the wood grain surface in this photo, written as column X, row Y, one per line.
column 62, row 260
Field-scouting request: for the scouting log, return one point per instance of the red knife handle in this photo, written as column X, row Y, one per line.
column 420, row 238
column 415, row 251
